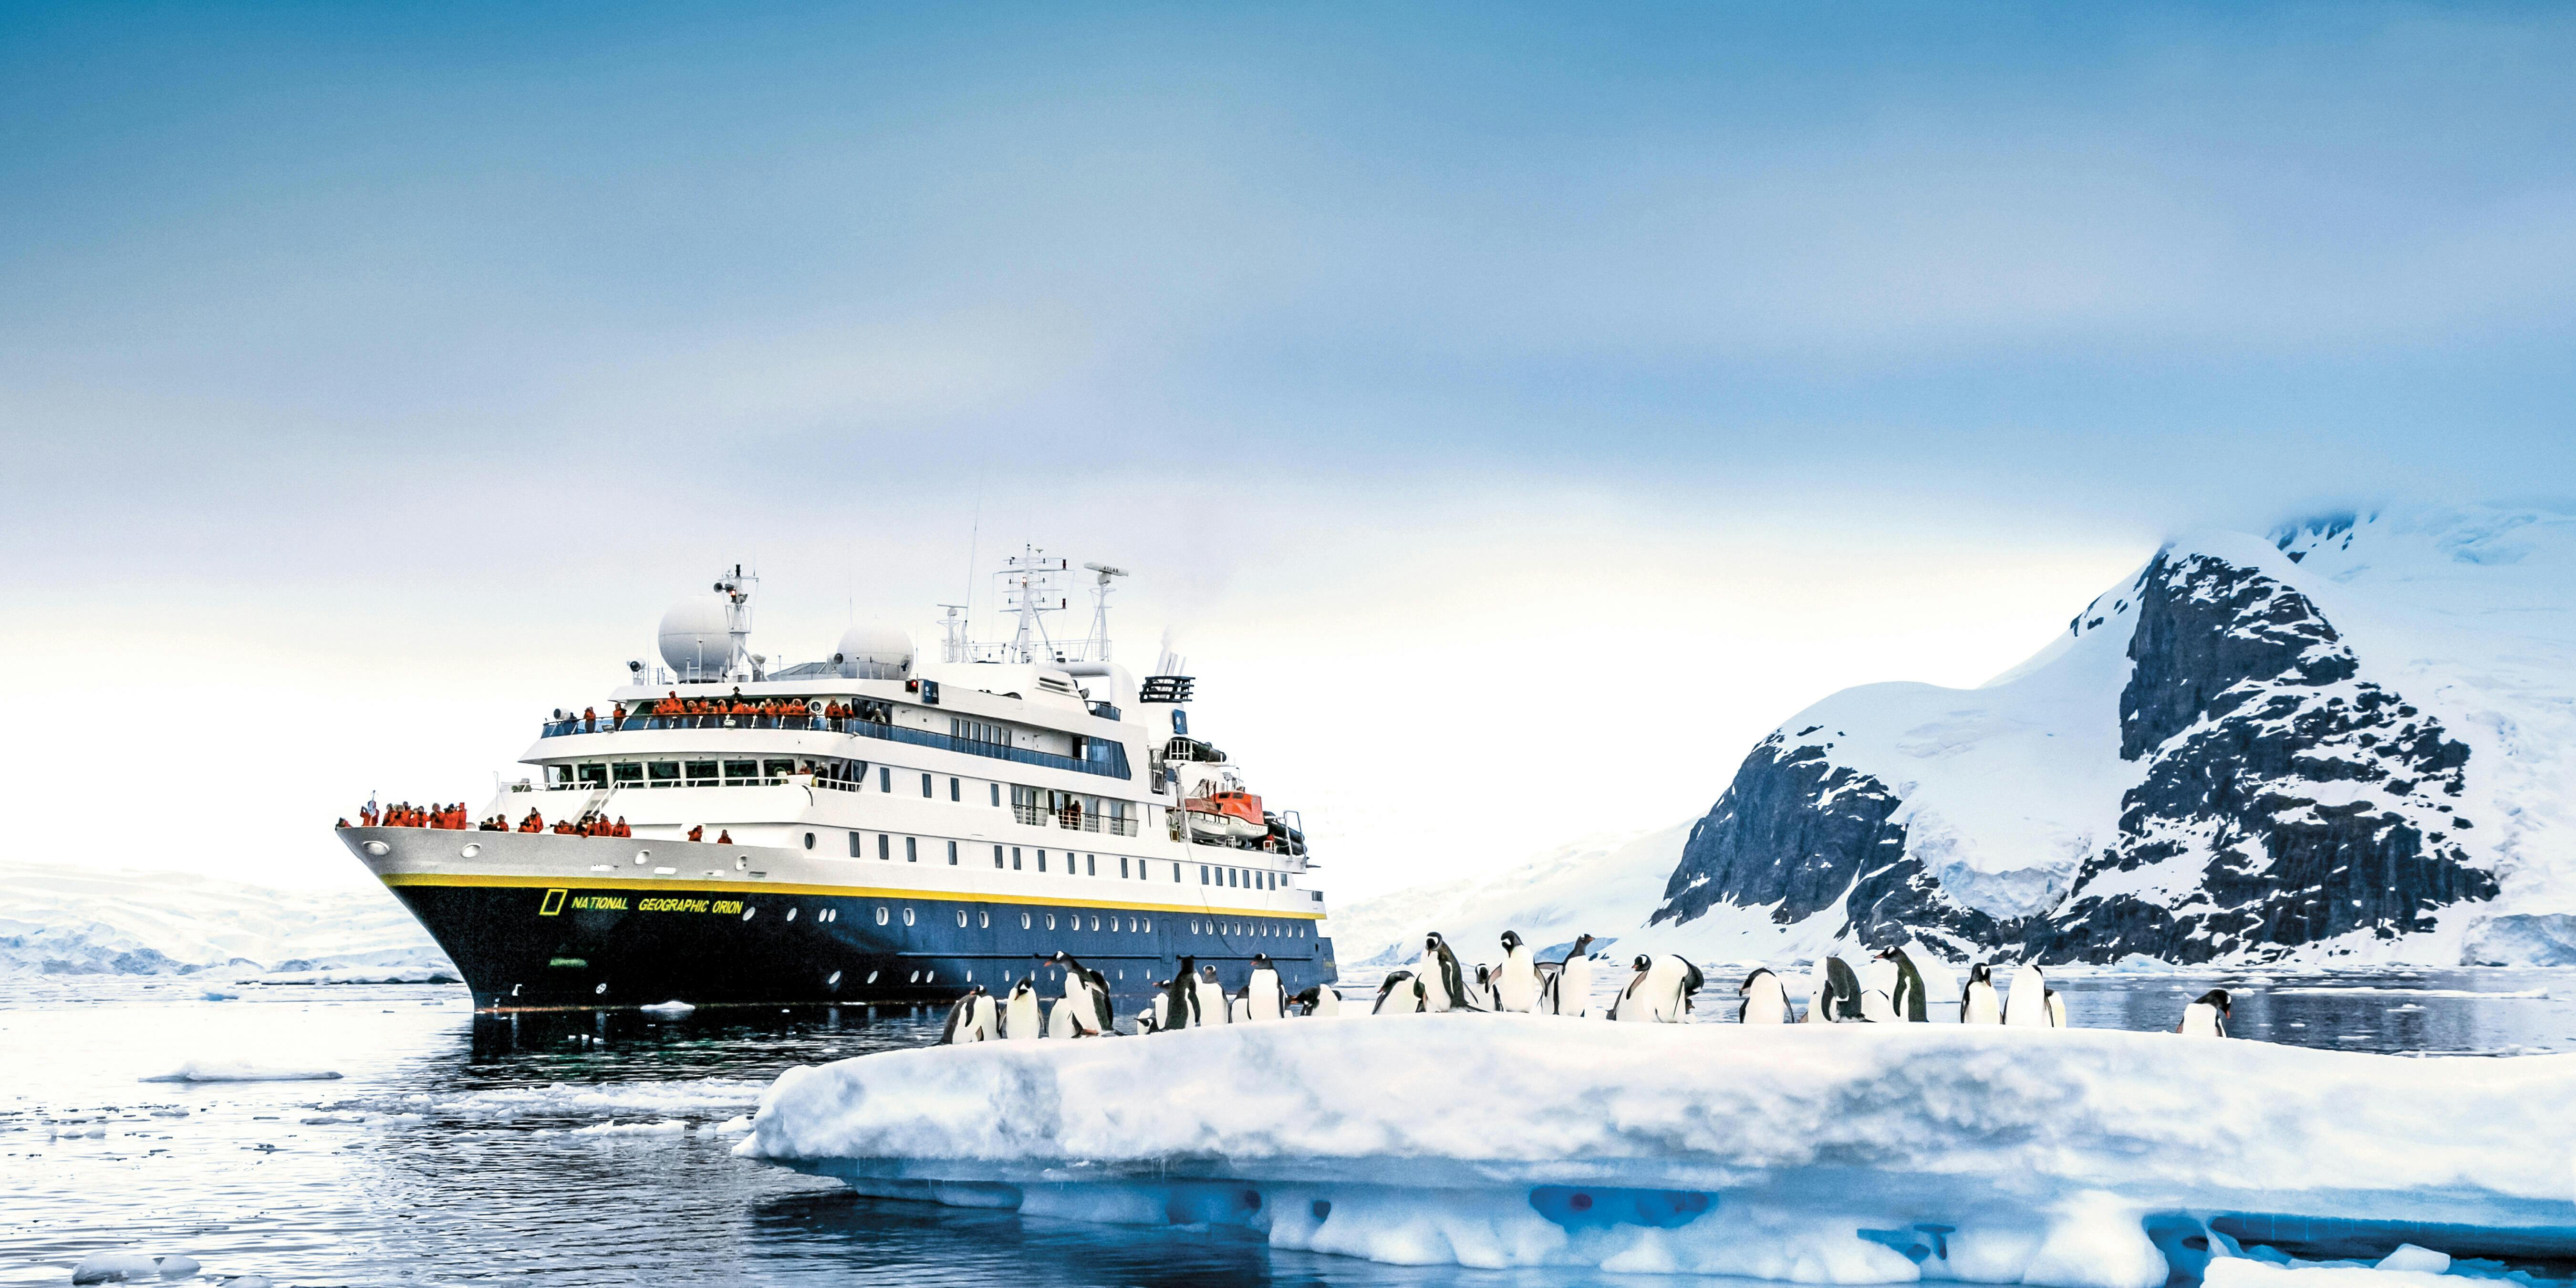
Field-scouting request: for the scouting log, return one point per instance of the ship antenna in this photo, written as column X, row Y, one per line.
column 1099, row 640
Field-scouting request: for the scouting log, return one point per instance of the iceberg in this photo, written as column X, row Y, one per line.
column 1841, row 1154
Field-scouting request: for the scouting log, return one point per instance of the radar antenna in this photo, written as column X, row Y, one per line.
column 1096, row 647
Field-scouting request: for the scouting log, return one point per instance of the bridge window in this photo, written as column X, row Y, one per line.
column 702, row 773
column 742, row 769
column 773, row 768
column 626, row 771
column 593, row 774
column 663, row 773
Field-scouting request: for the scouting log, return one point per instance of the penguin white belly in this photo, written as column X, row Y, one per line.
column 1403, row 999
column 1981, row 1006
column 2200, row 1020
column 1160, row 1013
column 1881, row 974
column 1262, row 997
column 1327, row 1002
column 1213, row 1005
column 1517, row 990
column 1767, row 1003
column 2056, row 1011
column 988, row 1019
column 1876, row 1009
column 1435, row 986
column 1574, row 990
column 2027, row 1005
column 1059, row 1020
column 1022, row 1022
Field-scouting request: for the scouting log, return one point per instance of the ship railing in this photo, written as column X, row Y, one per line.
column 1105, row 758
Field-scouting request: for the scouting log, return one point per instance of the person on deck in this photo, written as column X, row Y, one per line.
column 532, row 823
column 698, row 833
column 620, row 829
column 724, row 837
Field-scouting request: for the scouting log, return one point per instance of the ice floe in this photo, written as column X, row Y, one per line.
column 240, row 1071
column 1850, row 1154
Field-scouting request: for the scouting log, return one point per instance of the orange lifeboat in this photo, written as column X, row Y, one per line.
column 1229, row 815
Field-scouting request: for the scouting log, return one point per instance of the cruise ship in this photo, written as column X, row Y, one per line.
column 870, row 827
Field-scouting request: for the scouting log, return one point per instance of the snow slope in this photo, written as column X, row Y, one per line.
column 1845, row 1154
column 1601, row 886
column 93, row 921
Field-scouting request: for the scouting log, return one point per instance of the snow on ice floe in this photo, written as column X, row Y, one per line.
column 240, row 1071
column 1852, row 1154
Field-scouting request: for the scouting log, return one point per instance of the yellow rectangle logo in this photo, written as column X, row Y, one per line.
column 553, row 903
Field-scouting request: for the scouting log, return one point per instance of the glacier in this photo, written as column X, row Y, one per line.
column 1845, row 1154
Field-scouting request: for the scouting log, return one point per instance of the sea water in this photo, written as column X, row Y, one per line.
column 596, row 1148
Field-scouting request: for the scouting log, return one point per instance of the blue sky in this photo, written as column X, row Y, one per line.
column 505, row 320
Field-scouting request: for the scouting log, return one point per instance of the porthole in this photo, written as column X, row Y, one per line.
column 907, row 916
column 1149, row 925
column 470, row 851
column 791, row 914
column 916, row 977
column 832, row 980
column 872, row 977
column 1024, row 921
column 1095, row 923
column 742, row 863
column 643, row 857
column 882, row 916
column 809, row 840
column 961, row 919
column 1050, row 921
column 601, row 991
column 377, row 848
column 746, row 913
column 984, row 921
column 930, row 977
column 1194, row 927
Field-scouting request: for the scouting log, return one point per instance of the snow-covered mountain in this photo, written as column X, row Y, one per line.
column 65, row 922
column 2354, row 740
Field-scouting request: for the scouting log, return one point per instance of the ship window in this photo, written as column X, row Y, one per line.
column 742, row 769
column 702, row 771
column 1091, row 865
column 1203, row 874
column 885, row 847
column 1194, row 927
column 925, row 786
column 1095, row 923
column 664, row 773
column 907, row 916
column 627, row 771
column 885, row 779
column 1024, row 921
column 1015, row 858
column 1050, row 921
column 855, row 851
column 997, row 856
column 773, row 768
column 953, row 791
column 1041, row 860
column 558, row 775
column 881, row 915
column 997, row 794
column 1176, row 874
column 984, row 921
column 809, row 840
column 1122, row 865
column 952, row 854
column 1149, row 925
column 911, row 850
column 593, row 773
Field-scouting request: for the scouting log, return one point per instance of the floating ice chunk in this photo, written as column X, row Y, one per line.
column 240, row 1071
column 130, row 1265
column 2410, row 1257
column 673, row 1007
column 737, row 1123
column 219, row 995
column 1841, row 1154
column 665, row 1127
column 2245, row 1272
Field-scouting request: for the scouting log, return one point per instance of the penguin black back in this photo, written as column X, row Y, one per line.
column 1909, row 998
column 1181, row 995
column 1842, row 991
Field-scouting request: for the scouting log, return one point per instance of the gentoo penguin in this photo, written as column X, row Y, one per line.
column 1064, row 1019
column 1444, row 986
column 1319, row 1000
column 1660, row 991
column 1181, row 996
column 1516, row 983
column 1212, row 1005
column 2206, row 1018
column 2056, row 1010
column 1400, row 993
column 963, row 1025
column 1877, row 1008
column 1021, row 1020
column 1567, row 989
column 1088, row 990
column 1766, row 1000
column 1836, row 999
column 2027, row 1005
column 1265, row 997
column 1480, row 995
column 1906, row 999
column 1155, row 1018
column 1978, row 1002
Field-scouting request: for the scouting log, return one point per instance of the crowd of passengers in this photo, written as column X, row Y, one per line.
column 452, row 818
column 714, row 713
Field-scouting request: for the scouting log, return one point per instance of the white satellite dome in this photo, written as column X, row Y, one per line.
column 880, row 646
column 694, row 637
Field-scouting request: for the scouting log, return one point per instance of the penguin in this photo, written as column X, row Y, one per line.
column 2027, row 1006
column 1063, row 1020
column 2056, row 1010
column 1660, row 991
column 1567, row 989
column 1444, row 986
column 1481, row 994
column 1766, row 1000
column 2207, row 1017
column 1088, row 990
column 1837, row 994
column 1021, row 1020
column 1877, row 1008
column 1516, row 984
column 1906, row 999
column 962, row 1025
column 1400, row 993
column 1266, row 997
column 1181, row 996
column 1319, row 1000
column 1212, row 1005
column 1157, row 1016
column 1978, row 1002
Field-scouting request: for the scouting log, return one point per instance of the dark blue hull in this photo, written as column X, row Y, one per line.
column 527, row 947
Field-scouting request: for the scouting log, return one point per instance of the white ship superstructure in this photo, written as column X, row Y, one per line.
column 875, row 825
